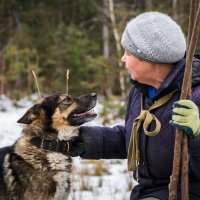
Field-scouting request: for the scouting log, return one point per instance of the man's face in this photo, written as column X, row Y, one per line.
column 139, row 70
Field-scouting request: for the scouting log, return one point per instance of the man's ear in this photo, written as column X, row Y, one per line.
column 28, row 117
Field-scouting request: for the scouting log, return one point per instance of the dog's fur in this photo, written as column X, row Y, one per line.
column 30, row 171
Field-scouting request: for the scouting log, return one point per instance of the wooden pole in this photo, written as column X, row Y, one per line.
column 192, row 41
column 184, row 155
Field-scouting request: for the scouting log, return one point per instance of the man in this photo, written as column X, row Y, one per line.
column 154, row 57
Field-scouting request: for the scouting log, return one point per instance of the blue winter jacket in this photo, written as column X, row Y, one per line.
column 156, row 153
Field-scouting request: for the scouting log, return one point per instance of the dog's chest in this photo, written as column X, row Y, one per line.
column 61, row 164
column 58, row 161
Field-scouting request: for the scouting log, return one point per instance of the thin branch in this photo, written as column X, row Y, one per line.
column 67, row 81
column 36, row 83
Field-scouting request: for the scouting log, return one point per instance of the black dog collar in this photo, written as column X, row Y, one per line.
column 60, row 146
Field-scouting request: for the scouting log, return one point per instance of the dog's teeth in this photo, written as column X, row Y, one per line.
column 85, row 113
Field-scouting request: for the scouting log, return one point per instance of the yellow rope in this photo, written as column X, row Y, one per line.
column 146, row 118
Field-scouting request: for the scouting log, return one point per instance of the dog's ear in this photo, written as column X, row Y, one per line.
column 28, row 117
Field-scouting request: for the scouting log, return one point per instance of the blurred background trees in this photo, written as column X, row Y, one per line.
column 51, row 36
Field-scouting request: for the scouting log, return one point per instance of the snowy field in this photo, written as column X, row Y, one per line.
column 99, row 180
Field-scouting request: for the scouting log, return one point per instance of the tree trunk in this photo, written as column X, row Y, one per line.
column 105, row 30
column 148, row 4
column 175, row 10
column 28, row 74
column 107, row 91
column 142, row 5
column 2, row 86
column 18, row 80
column 118, row 46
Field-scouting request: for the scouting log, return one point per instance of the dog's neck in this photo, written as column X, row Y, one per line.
column 67, row 133
column 60, row 144
column 63, row 133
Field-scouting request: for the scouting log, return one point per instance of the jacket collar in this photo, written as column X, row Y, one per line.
column 171, row 82
column 174, row 80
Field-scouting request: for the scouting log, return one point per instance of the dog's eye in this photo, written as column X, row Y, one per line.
column 67, row 100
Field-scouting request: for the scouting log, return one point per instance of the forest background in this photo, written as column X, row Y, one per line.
column 51, row 36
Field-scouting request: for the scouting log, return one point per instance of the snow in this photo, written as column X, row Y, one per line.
column 99, row 180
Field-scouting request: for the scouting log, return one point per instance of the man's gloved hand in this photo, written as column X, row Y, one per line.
column 76, row 146
column 185, row 116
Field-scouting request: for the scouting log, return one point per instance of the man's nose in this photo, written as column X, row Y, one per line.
column 123, row 59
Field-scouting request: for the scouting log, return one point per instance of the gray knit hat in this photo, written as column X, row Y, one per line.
column 154, row 37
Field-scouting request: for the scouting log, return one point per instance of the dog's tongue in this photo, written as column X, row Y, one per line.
column 90, row 112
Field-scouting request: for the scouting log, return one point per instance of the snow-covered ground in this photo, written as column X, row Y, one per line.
column 99, row 180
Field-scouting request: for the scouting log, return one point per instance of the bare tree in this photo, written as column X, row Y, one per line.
column 118, row 46
column 143, row 4
column 175, row 10
column 107, row 91
column 105, row 30
column 2, row 77
column 148, row 4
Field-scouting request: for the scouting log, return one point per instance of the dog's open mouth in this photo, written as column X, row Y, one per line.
column 89, row 113
column 81, row 116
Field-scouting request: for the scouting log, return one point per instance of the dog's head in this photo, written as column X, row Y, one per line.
column 58, row 111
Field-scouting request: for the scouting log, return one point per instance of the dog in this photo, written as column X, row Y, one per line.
column 38, row 165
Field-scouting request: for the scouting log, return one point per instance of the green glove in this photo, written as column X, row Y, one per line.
column 185, row 116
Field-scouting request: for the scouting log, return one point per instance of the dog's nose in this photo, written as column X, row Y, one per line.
column 93, row 94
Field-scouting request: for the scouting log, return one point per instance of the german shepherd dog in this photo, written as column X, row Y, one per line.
column 38, row 165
